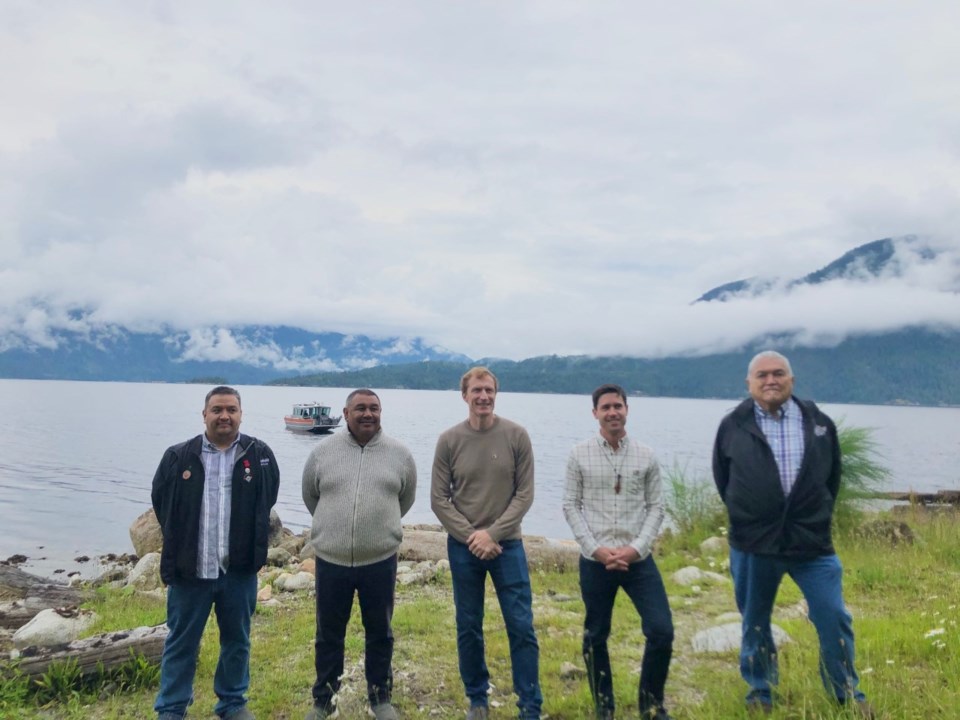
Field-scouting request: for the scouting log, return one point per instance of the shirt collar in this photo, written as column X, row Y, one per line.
column 624, row 441
column 210, row 447
column 787, row 410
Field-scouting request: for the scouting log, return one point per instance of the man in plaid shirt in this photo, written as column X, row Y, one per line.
column 614, row 504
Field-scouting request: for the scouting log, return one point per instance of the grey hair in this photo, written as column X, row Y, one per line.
column 773, row 354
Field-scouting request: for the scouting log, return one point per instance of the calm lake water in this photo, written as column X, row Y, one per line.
column 77, row 458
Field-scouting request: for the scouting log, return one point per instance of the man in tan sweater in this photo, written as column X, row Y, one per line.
column 482, row 486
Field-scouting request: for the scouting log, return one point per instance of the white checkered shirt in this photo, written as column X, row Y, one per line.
column 600, row 516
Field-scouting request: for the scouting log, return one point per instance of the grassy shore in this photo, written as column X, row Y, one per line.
column 904, row 599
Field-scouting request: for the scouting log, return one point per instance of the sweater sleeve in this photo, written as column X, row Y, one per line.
column 441, row 495
column 508, row 523
column 310, row 486
column 408, row 490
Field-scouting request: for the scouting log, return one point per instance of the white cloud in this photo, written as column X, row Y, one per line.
column 505, row 180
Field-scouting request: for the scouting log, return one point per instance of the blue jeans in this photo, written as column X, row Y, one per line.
column 644, row 586
column 375, row 586
column 234, row 597
column 511, row 580
column 756, row 579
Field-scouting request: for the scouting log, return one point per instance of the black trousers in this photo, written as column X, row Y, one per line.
column 644, row 586
column 374, row 585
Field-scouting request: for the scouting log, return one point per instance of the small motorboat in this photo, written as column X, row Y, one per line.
column 312, row 418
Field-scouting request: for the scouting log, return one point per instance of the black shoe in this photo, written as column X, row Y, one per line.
column 756, row 706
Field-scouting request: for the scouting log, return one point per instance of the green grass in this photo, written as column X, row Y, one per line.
column 904, row 600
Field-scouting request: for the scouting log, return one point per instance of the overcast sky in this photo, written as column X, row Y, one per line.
column 501, row 178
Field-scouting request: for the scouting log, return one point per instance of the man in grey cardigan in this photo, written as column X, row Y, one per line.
column 357, row 485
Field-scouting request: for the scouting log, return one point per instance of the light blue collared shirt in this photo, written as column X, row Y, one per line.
column 213, row 553
column 784, row 432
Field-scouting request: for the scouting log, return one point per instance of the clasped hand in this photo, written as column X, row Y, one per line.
column 482, row 545
column 616, row 558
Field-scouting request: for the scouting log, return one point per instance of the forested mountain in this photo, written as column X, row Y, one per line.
column 916, row 366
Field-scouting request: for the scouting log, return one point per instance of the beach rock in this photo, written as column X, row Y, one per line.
column 714, row 546
column 265, row 593
column 146, row 573
column 114, row 573
column 276, row 529
column 414, row 577
column 291, row 583
column 420, row 545
column 145, row 534
column 293, row 544
column 309, row 565
column 53, row 627
column 429, row 542
column 278, row 557
column 725, row 638
column 893, row 532
column 692, row 575
column 569, row 671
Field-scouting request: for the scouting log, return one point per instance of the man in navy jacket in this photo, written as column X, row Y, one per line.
column 776, row 463
column 212, row 496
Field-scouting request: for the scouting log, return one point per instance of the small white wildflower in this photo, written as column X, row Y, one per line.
column 935, row 632
column 890, row 662
column 939, row 644
column 695, row 589
column 866, row 671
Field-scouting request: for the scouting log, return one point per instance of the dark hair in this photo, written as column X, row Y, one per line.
column 221, row 390
column 606, row 389
column 360, row 391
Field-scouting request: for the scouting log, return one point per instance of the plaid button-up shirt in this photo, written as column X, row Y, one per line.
column 784, row 432
column 612, row 498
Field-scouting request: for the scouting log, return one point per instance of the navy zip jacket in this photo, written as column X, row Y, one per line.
column 177, row 496
column 762, row 520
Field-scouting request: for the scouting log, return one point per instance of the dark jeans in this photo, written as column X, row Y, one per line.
column 375, row 586
column 511, row 580
column 756, row 579
column 234, row 597
column 644, row 586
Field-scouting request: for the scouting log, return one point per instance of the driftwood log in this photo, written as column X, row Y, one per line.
column 106, row 652
column 31, row 594
column 943, row 497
